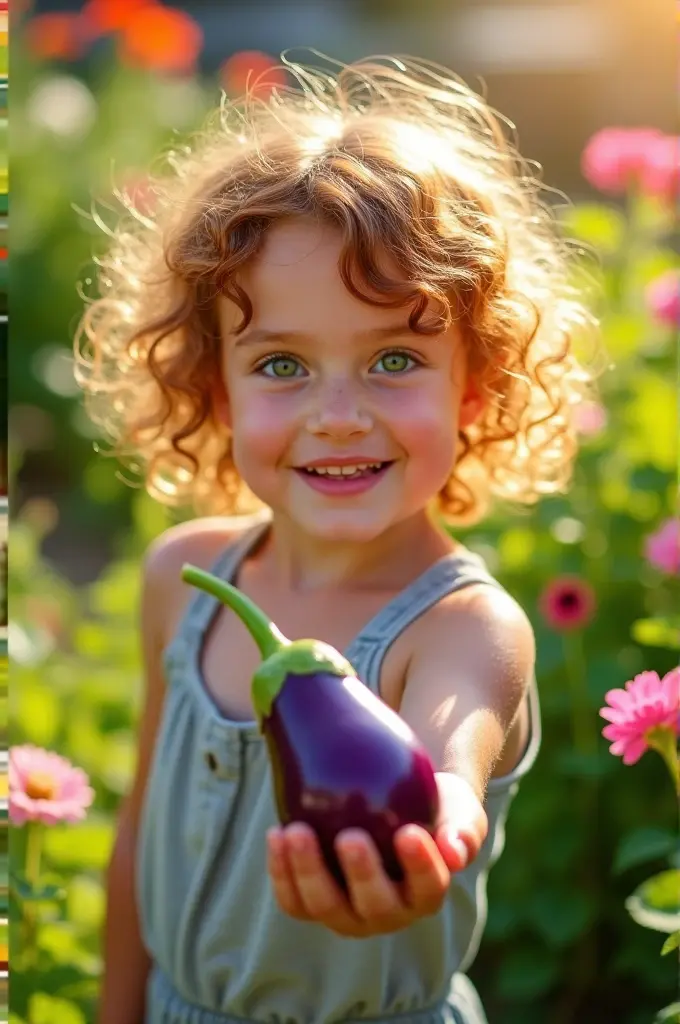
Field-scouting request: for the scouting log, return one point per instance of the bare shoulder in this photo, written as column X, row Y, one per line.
column 198, row 541
column 470, row 667
column 480, row 625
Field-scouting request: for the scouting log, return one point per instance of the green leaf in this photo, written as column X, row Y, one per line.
column 671, row 943
column 596, row 224
column 27, row 892
column 651, row 419
column 44, row 1009
column 86, row 903
column 37, row 713
column 657, row 632
column 669, row 1015
column 656, row 903
column 641, row 845
column 86, row 846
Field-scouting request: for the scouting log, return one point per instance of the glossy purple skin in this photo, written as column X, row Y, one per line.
column 341, row 758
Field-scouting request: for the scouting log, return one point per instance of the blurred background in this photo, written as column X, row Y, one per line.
column 98, row 90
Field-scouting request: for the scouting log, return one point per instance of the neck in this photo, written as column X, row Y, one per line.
column 297, row 561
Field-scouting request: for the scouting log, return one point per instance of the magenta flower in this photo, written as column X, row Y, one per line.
column 45, row 787
column 648, row 703
column 590, row 418
column 567, row 603
column 662, row 548
column 660, row 170
column 663, row 298
column 614, row 157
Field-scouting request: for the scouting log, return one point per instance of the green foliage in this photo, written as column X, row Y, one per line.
column 656, row 903
column 584, row 830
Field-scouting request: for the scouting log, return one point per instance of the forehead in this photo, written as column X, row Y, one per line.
column 294, row 283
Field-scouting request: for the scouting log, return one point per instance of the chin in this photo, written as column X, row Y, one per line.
column 345, row 527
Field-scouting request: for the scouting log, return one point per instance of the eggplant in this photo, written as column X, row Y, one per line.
column 340, row 757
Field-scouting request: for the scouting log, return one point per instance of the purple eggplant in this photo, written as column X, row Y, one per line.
column 340, row 757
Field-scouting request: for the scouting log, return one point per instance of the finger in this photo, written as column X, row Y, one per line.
column 282, row 878
column 427, row 873
column 374, row 897
column 455, row 849
column 321, row 897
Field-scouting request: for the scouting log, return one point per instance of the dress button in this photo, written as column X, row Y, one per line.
column 211, row 761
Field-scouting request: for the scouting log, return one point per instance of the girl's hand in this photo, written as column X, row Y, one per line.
column 375, row 905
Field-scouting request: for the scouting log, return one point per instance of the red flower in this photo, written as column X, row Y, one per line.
column 103, row 16
column 162, row 39
column 567, row 603
column 55, row 36
column 251, row 71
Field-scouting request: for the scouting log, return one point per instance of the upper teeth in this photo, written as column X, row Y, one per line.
column 345, row 470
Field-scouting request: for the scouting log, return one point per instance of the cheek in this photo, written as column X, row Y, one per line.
column 260, row 428
column 426, row 425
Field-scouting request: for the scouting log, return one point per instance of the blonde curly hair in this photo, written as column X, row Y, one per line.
column 402, row 157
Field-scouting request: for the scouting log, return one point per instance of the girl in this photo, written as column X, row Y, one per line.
column 346, row 327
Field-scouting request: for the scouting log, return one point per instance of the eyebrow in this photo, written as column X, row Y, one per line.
column 261, row 336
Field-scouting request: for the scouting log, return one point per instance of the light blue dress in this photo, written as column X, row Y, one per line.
column 223, row 952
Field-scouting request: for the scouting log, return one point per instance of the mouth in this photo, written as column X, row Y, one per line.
column 338, row 472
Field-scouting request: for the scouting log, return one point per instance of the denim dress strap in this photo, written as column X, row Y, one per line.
column 202, row 608
column 451, row 573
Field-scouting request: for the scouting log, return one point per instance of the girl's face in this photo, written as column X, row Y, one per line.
column 344, row 421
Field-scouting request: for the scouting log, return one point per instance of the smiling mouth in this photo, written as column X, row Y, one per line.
column 350, row 472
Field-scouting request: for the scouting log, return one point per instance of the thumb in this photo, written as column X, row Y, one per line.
column 463, row 824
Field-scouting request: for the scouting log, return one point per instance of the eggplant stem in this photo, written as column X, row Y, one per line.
column 266, row 635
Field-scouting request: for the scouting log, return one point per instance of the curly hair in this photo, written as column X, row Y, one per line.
column 401, row 157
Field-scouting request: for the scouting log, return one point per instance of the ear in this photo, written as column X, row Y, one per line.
column 220, row 401
column 472, row 404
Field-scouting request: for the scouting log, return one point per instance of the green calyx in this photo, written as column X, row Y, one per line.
column 281, row 657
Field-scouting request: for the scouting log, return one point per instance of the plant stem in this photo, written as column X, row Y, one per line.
column 584, row 738
column 662, row 739
column 34, row 837
column 268, row 638
column 583, row 733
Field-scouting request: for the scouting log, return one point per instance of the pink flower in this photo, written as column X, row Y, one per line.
column 660, row 170
column 613, row 157
column 45, row 787
column 567, row 603
column 662, row 548
column 646, row 704
column 590, row 418
column 663, row 298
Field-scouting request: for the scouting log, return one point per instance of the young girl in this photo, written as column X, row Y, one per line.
column 346, row 327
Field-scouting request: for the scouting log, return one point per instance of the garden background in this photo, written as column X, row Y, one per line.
column 97, row 89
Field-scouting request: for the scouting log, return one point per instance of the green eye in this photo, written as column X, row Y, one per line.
column 281, row 366
column 395, row 362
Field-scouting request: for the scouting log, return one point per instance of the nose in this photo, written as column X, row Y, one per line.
column 338, row 413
